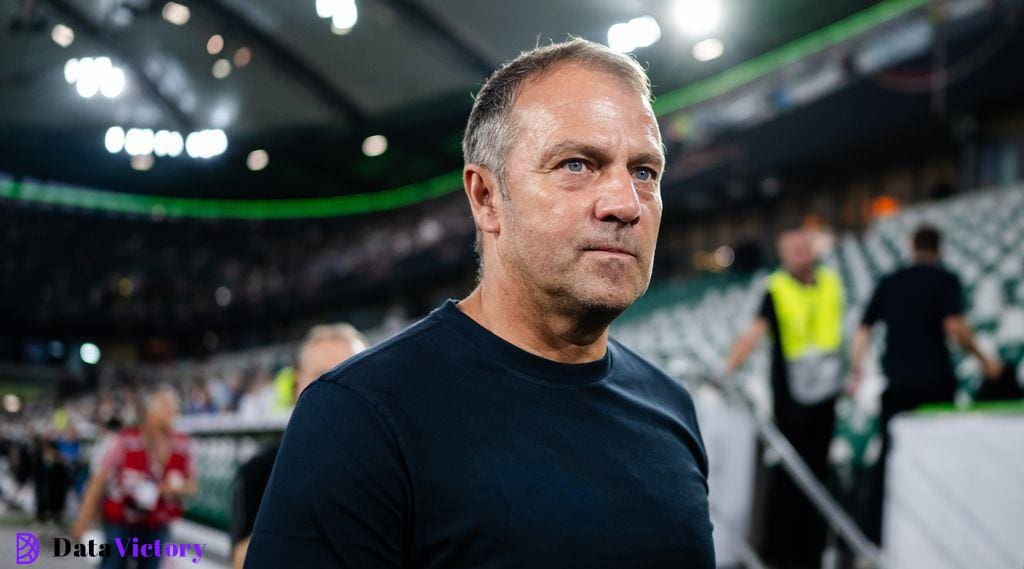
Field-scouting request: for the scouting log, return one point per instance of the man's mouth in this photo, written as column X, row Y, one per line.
column 615, row 250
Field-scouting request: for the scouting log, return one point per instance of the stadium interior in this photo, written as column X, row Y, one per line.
column 187, row 187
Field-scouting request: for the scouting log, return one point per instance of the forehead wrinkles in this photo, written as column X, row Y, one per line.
column 601, row 120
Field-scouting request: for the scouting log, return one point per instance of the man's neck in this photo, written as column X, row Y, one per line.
column 152, row 431
column 533, row 327
column 806, row 277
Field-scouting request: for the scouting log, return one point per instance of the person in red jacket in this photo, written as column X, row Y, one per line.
column 141, row 480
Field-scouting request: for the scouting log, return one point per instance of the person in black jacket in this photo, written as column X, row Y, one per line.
column 52, row 481
column 921, row 304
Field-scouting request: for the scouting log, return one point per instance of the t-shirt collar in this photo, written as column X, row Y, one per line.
column 514, row 357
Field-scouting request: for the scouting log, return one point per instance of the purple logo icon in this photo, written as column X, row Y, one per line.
column 28, row 548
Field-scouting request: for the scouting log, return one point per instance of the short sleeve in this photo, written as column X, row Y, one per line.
column 767, row 310
column 338, row 494
column 875, row 310
column 952, row 297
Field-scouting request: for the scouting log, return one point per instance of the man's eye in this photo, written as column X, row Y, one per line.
column 645, row 174
column 575, row 165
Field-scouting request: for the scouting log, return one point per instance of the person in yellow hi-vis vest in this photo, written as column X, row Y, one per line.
column 803, row 311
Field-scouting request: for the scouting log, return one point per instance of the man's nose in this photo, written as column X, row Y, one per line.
column 618, row 199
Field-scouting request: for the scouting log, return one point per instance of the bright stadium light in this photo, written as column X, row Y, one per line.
column 177, row 14
column 142, row 162
column 346, row 16
column 215, row 44
column 87, row 82
column 698, row 17
column 114, row 139
column 257, row 160
column 343, row 14
column 375, row 145
column 706, row 50
column 62, row 35
column 90, row 353
column 12, row 403
column 174, row 144
column 634, row 34
column 139, row 141
column 221, row 68
column 164, row 142
column 112, row 82
column 724, row 256
column 325, row 8
column 92, row 75
column 71, row 71
column 194, row 145
column 206, row 143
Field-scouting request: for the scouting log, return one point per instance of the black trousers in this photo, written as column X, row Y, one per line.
column 903, row 394
column 794, row 530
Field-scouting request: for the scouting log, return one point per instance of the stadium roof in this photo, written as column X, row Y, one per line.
column 309, row 93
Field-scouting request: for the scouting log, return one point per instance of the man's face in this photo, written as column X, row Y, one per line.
column 164, row 409
column 319, row 357
column 796, row 250
column 583, row 179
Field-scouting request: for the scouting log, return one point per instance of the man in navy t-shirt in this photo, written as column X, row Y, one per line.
column 508, row 429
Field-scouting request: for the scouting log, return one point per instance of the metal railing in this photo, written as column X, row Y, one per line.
column 840, row 522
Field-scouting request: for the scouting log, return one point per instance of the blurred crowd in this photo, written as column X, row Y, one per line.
column 131, row 272
column 53, row 445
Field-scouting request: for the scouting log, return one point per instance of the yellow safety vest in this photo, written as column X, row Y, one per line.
column 810, row 316
column 284, row 389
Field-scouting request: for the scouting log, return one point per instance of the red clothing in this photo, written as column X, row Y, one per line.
column 130, row 498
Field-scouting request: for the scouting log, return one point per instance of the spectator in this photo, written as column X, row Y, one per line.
column 324, row 347
column 141, row 481
column 803, row 311
column 52, row 480
column 921, row 305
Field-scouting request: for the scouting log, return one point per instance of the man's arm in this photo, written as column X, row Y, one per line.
column 338, row 494
column 957, row 327
column 179, row 488
column 859, row 350
column 746, row 344
column 875, row 312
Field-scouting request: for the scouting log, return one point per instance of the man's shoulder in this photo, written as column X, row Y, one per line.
column 261, row 463
column 630, row 358
column 645, row 371
column 926, row 272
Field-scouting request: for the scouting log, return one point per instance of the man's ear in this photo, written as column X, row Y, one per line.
column 482, row 190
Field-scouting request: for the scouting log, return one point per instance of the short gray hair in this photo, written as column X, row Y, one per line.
column 154, row 392
column 341, row 331
column 491, row 129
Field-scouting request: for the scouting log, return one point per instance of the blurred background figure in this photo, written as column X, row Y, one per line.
column 188, row 187
column 52, row 479
column 324, row 347
column 802, row 310
column 141, row 481
column 921, row 305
